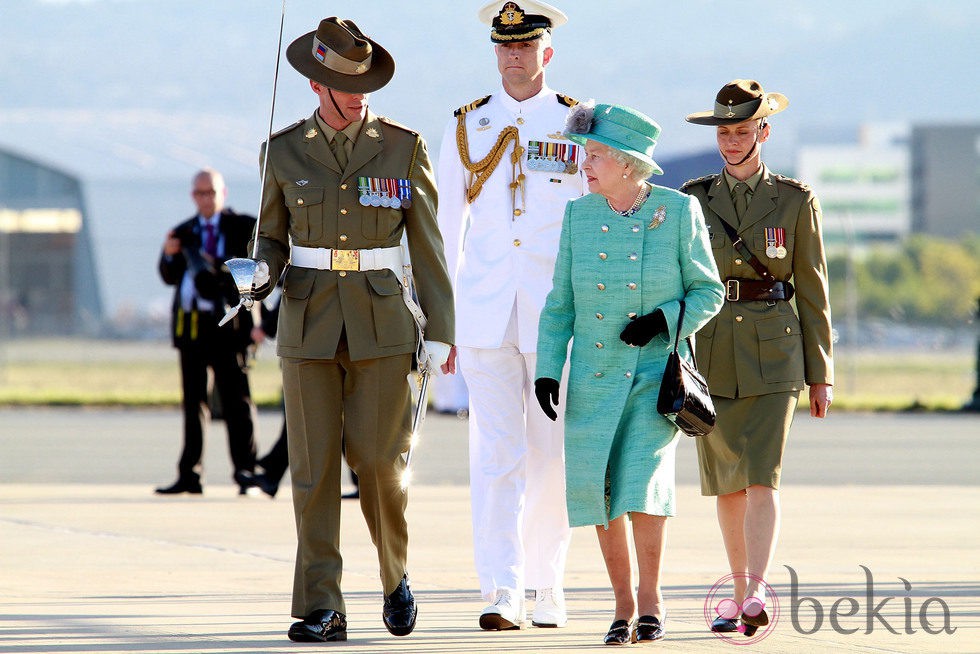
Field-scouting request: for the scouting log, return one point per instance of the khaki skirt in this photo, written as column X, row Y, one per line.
column 746, row 446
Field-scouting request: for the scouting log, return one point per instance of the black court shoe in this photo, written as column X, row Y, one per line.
column 620, row 633
column 722, row 625
column 650, row 628
column 321, row 626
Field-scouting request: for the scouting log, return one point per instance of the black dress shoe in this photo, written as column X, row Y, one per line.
column 323, row 625
column 620, row 633
column 268, row 485
column 748, row 630
column 649, row 628
column 722, row 625
column 192, row 486
column 399, row 610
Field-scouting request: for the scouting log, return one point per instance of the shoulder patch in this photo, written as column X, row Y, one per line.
column 392, row 123
column 795, row 183
column 471, row 106
column 694, row 182
column 289, row 127
column 565, row 100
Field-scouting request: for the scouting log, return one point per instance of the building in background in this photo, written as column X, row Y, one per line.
column 863, row 186
column 946, row 179
column 48, row 281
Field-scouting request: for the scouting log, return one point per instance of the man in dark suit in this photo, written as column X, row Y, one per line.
column 193, row 262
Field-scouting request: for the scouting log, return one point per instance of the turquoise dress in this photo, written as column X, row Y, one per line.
column 619, row 452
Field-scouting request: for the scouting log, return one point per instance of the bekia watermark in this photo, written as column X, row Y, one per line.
column 845, row 615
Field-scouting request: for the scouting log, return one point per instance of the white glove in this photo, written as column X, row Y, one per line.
column 438, row 355
column 261, row 276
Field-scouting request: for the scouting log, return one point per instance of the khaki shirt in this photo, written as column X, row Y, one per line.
column 754, row 348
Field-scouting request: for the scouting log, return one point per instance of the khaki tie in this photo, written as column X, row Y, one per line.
column 741, row 199
column 338, row 146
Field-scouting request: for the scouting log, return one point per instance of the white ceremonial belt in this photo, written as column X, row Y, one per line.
column 352, row 260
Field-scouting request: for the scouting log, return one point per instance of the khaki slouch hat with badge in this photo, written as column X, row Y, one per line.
column 738, row 101
column 338, row 55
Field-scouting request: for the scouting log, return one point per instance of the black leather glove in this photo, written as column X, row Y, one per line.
column 546, row 390
column 641, row 330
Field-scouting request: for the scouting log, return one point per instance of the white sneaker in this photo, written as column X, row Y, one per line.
column 549, row 608
column 506, row 612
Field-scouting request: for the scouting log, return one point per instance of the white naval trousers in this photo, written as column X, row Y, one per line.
column 517, row 472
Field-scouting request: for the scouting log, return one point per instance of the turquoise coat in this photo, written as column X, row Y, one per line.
column 608, row 268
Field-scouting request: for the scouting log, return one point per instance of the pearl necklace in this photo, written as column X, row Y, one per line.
column 641, row 197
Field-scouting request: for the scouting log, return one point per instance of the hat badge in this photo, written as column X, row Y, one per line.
column 511, row 14
column 730, row 114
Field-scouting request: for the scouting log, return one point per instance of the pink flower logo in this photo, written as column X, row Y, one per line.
column 719, row 604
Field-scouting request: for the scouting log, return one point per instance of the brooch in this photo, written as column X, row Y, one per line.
column 659, row 216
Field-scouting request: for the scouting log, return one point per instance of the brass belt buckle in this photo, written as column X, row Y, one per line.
column 345, row 260
column 732, row 290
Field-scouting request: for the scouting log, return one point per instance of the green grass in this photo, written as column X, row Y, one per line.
column 130, row 373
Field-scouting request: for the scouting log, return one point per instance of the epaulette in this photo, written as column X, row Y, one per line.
column 565, row 100
column 795, row 183
column 471, row 106
column 289, row 128
column 389, row 121
column 694, row 182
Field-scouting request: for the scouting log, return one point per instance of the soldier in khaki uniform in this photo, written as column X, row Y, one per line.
column 758, row 352
column 341, row 189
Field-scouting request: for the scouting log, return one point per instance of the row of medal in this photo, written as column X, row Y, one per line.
column 552, row 157
column 775, row 242
column 384, row 192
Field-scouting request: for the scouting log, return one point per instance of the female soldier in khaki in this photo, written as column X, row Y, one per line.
column 757, row 353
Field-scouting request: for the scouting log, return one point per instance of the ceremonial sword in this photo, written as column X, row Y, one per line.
column 243, row 270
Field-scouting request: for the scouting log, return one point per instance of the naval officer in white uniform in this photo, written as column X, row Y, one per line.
column 505, row 174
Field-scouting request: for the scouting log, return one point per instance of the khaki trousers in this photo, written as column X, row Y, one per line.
column 361, row 410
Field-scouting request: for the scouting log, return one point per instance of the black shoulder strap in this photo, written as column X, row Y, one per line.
column 743, row 249
column 677, row 337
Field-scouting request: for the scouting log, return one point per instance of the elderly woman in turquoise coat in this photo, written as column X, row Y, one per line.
column 630, row 252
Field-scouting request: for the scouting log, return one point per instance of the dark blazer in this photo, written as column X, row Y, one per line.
column 212, row 279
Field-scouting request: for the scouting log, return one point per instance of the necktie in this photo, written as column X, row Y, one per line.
column 741, row 199
column 339, row 149
column 210, row 240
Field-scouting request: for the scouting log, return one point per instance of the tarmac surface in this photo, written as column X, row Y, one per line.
column 92, row 561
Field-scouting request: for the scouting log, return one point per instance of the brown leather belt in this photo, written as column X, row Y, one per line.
column 755, row 290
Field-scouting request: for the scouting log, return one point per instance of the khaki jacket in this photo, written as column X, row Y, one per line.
column 308, row 201
column 754, row 348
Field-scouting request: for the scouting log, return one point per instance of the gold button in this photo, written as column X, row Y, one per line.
column 599, row 316
column 599, row 345
column 598, row 374
column 343, row 237
column 738, row 262
column 343, row 187
column 299, row 201
column 517, row 242
column 343, row 211
column 342, row 273
column 789, row 331
column 631, row 315
column 517, row 212
column 605, row 228
column 520, row 121
column 603, row 255
column 600, row 286
column 631, row 286
column 628, row 374
column 738, row 318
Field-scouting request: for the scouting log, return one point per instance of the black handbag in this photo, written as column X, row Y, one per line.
column 684, row 397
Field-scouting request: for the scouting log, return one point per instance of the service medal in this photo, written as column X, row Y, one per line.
column 771, row 251
column 395, row 203
column 375, row 201
column 365, row 200
column 781, row 252
column 571, row 168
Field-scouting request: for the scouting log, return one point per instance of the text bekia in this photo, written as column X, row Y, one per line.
column 846, row 607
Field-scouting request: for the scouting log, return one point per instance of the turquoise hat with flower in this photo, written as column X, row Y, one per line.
column 619, row 127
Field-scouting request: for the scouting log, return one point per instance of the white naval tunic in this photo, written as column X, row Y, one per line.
column 501, row 252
